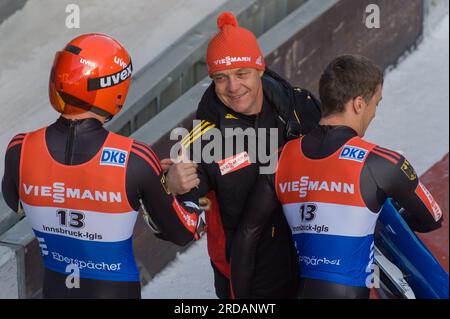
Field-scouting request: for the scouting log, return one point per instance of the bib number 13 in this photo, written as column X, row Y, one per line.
column 308, row 211
column 70, row 218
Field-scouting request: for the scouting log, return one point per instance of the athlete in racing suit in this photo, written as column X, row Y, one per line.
column 81, row 186
column 332, row 185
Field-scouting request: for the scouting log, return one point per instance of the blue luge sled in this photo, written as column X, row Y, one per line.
column 400, row 244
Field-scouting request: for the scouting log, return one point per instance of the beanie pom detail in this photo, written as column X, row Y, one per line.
column 226, row 18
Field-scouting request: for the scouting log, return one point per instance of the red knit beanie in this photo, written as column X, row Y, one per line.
column 233, row 47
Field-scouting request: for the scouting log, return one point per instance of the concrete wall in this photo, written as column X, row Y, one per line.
column 8, row 273
column 8, row 7
column 342, row 30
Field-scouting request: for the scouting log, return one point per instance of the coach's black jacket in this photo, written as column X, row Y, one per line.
column 292, row 111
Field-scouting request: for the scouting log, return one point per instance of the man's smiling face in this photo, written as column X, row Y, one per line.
column 240, row 89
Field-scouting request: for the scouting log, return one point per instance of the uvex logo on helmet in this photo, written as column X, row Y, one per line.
column 110, row 80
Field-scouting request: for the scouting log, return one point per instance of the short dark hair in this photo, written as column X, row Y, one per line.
column 345, row 78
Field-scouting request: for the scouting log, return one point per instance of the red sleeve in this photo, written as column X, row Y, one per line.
column 16, row 140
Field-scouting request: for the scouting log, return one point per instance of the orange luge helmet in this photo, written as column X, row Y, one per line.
column 92, row 73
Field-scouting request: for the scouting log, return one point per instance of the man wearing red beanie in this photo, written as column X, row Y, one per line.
column 244, row 95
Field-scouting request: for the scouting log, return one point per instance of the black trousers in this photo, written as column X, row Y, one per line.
column 221, row 284
column 321, row 289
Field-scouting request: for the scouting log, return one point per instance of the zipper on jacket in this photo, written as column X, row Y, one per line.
column 70, row 142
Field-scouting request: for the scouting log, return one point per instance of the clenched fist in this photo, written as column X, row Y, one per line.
column 182, row 176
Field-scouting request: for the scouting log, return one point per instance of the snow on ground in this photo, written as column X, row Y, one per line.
column 413, row 115
column 31, row 36
column 190, row 276
column 412, row 118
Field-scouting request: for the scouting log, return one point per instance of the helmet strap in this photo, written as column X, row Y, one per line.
column 72, row 100
column 101, row 112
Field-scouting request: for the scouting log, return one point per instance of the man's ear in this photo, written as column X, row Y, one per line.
column 261, row 73
column 358, row 104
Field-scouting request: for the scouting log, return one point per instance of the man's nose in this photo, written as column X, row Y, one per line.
column 233, row 85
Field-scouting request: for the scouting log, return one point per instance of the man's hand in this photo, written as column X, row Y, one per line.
column 181, row 176
column 165, row 164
